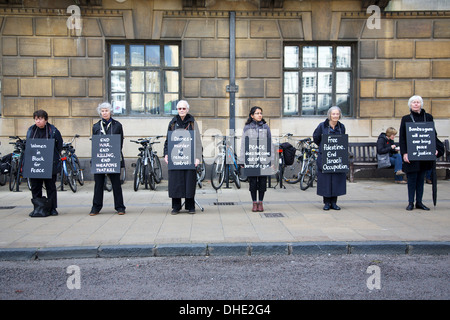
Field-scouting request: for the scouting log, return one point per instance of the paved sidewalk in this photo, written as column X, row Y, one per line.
column 373, row 219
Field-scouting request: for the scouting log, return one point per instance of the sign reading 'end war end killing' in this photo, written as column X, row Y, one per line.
column 334, row 153
column 421, row 141
column 38, row 160
column 181, row 147
column 105, row 154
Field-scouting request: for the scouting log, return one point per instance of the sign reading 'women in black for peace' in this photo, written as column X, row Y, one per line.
column 38, row 161
column 334, row 153
column 421, row 141
column 105, row 154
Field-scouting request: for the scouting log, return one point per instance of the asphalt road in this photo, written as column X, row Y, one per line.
column 338, row 277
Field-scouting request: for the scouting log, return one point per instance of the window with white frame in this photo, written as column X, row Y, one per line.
column 316, row 77
column 144, row 78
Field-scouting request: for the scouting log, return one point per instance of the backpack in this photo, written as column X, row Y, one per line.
column 5, row 163
column 288, row 153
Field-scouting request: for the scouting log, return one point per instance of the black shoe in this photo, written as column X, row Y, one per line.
column 326, row 206
column 334, row 206
column 410, row 206
column 422, row 206
column 54, row 212
column 175, row 211
column 191, row 211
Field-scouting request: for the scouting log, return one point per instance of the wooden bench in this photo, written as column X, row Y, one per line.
column 363, row 156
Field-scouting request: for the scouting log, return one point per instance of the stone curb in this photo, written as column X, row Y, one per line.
column 226, row 249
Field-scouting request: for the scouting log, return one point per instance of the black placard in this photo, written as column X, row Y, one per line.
column 38, row 158
column 334, row 153
column 421, row 141
column 181, row 147
column 257, row 157
column 105, row 154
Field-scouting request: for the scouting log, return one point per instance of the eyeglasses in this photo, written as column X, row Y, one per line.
column 181, row 108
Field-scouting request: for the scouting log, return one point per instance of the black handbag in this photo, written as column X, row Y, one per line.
column 383, row 161
column 42, row 207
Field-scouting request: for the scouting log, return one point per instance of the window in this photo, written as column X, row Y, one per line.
column 316, row 77
column 144, row 79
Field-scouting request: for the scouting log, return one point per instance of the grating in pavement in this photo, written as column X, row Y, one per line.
column 274, row 215
column 224, row 203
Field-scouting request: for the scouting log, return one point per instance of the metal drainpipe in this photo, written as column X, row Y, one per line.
column 232, row 88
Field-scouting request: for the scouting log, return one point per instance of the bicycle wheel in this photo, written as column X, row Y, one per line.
column 151, row 180
column 235, row 175
column 77, row 170
column 291, row 173
column 145, row 175
column 217, row 173
column 107, row 184
column 307, row 178
column 157, row 170
column 2, row 179
column 13, row 175
column 123, row 175
column 71, row 177
column 137, row 174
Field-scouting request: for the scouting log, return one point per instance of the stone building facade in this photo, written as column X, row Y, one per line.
column 50, row 62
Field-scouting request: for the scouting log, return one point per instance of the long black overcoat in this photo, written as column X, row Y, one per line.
column 182, row 183
column 329, row 184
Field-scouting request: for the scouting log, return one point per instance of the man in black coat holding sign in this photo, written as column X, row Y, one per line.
column 44, row 130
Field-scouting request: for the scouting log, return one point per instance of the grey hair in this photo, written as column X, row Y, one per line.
column 415, row 98
column 183, row 102
column 332, row 109
column 104, row 105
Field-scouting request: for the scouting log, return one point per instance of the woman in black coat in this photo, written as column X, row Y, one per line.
column 416, row 170
column 330, row 185
column 182, row 183
column 386, row 144
column 107, row 125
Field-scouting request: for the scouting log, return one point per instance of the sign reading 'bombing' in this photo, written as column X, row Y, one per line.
column 105, row 154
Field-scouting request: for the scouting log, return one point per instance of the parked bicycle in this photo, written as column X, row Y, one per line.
column 225, row 166
column 71, row 171
column 148, row 169
column 15, row 173
column 309, row 168
column 5, row 165
column 292, row 172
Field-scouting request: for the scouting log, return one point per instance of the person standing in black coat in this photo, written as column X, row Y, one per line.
column 330, row 185
column 107, row 125
column 416, row 170
column 182, row 183
column 42, row 129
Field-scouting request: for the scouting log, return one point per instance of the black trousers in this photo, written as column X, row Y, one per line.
column 50, row 187
column 330, row 200
column 415, row 186
column 189, row 203
column 97, row 203
column 257, row 187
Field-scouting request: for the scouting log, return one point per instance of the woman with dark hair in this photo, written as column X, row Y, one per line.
column 256, row 128
column 42, row 129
